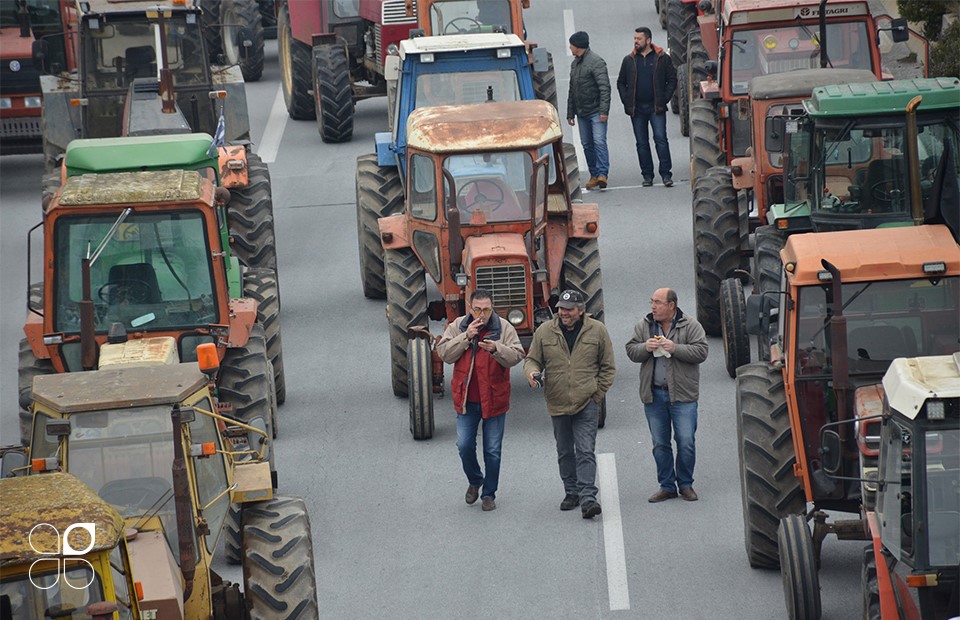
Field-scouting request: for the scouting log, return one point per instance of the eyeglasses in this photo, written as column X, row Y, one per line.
column 482, row 310
column 657, row 302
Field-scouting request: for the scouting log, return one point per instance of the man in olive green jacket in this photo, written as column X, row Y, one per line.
column 572, row 358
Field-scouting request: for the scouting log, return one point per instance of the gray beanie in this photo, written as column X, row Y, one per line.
column 580, row 39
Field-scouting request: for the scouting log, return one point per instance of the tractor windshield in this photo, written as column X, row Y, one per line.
column 765, row 51
column 51, row 592
column 466, row 87
column 116, row 53
column 942, row 450
column 155, row 273
column 463, row 16
column 492, row 187
column 885, row 320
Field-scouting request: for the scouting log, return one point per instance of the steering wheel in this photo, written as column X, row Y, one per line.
column 879, row 191
column 138, row 493
column 130, row 290
column 472, row 21
column 480, row 198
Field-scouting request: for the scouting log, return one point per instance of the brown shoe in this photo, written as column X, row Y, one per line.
column 661, row 496
column 592, row 183
column 689, row 494
column 472, row 494
column 488, row 504
column 602, row 182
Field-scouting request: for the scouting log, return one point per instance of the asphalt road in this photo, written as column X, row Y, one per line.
column 392, row 535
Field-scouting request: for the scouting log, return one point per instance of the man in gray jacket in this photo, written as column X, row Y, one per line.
column 571, row 356
column 670, row 346
column 589, row 100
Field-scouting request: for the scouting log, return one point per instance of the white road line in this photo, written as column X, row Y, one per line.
column 617, row 590
column 273, row 133
column 568, row 28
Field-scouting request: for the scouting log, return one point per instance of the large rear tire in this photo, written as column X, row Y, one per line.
column 268, row 18
column 581, row 272
column 333, row 93
column 798, row 569
column 769, row 490
column 683, row 96
column 420, row 371
column 379, row 194
column 696, row 60
column 212, row 37
column 406, row 308
column 250, row 218
column 279, row 577
column 681, row 21
column 869, row 584
column 705, row 150
column 296, row 74
column 572, row 164
column 236, row 14
column 662, row 13
column 716, row 242
column 261, row 285
column 28, row 367
column 767, row 270
column 733, row 314
column 545, row 83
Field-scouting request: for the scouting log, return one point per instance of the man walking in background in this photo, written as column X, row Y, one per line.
column 589, row 101
column 646, row 83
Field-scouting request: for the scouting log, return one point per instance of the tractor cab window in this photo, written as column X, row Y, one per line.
column 465, row 16
column 210, row 473
column 154, row 273
column 939, row 155
column 797, row 168
column 492, row 187
column 896, row 503
column 346, row 8
column 859, row 169
column 765, row 51
column 466, row 87
column 52, row 591
column 423, row 189
column 942, row 451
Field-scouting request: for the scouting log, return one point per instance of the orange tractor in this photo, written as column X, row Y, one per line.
column 488, row 206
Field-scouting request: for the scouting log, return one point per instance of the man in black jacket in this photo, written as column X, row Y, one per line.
column 646, row 83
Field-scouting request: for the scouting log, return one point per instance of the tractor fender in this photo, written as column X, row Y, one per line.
column 305, row 19
column 232, row 162
column 34, row 332
column 708, row 34
column 393, row 232
column 744, row 172
column 385, row 156
column 236, row 119
column 584, row 221
column 243, row 315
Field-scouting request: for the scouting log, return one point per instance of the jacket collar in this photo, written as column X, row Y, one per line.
column 492, row 326
column 679, row 318
column 656, row 50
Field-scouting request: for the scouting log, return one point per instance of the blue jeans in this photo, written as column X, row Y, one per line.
column 467, row 424
column 576, row 437
column 593, row 136
column 661, row 415
column 643, row 117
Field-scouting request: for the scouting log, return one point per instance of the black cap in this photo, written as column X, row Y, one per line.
column 570, row 299
column 580, row 39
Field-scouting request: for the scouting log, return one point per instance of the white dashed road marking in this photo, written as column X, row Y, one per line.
column 617, row 590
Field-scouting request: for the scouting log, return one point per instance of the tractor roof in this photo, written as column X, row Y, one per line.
column 135, row 6
column 112, row 388
column 909, row 382
column 758, row 11
column 884, row 97
column 799, row 84
column 475, row 128
column 869, row 255
column 57, row 501
column 458, row 43
column 97, row 155
column 135, row 188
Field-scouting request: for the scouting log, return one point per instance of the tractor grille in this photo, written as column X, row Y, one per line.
column 395, row 12
column 507, row 284
column 791, row 64
column 28, row 127
column 378, row 46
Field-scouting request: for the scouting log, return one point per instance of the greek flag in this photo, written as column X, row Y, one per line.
column 219, row 137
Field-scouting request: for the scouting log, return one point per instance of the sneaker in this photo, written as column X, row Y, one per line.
column 590, row 510
column 602, row 182
column 648, row 182
column 668, row 182
column 488, row 504
column 472, row 494
column 570, row 502
column 592, row 183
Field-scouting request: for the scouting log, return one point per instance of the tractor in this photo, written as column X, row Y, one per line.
column 432, row 71
column 141, row 431
column 850, row 302
column 858, row 155
column 488, row 206
column 756, row 39
column 146, row 254
column 333, row 54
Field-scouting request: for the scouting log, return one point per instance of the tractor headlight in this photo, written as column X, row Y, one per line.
column 515, row 317
column 392, row 49
column 935, row 410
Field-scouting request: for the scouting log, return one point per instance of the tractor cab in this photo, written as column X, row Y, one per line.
column 445, row 17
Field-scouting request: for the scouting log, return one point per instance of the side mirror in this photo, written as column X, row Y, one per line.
column 711, row 68
column 12, row 461
column 391, row 68
column 40, row 51
column 773, row 134
column 244, row 41
column 831, row 449
column 541, row 63
column 899, row 31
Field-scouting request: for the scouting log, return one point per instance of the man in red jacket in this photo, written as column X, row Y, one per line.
column 482, row 347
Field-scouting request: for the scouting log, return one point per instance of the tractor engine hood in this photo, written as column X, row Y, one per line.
column 494, row 249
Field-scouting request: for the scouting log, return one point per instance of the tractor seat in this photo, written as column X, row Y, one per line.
column 877, row 342
column 136, row 275
column 140, row 62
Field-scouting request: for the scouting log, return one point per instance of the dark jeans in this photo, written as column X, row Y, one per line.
column 593, row 136
column 467, row 424
column 643, row 117
column 576, row 437
column 682, row 417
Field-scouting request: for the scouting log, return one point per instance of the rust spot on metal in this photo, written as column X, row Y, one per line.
column 483, row 127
